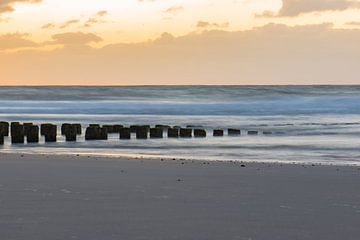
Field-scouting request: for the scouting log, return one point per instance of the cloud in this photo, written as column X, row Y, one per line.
column 272, row 54
column 174, row 10
column 8, row 5
column 69, row 23
column 203, row 24
column 15, row 41
column 91, row 21
column 102, row 13
column 353, row 23
column 293, row 8
column 165, row 38
column 75, row 38
column 48, row 26
column 96, row 18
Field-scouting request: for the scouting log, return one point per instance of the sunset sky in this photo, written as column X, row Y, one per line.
column 141, row 42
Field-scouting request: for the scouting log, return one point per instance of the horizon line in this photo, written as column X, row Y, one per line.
column 176, row 85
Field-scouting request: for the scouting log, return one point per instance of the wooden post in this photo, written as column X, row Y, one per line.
column 64, row 128
column 218, row 133
column 233, row 132
column 103, row 134
column 78, row 128
column 1, row 137
column 109, row 128
column 125, row 133
column 117, row 128
column 26, row 127
column 156, row 133
column 199, row 133
column 92, row 132
column 185, row 132
column 17, row 133
column 4, row 127
column 32, row 135
column 253, row 132
column 173, row 132
column 141, row 132
column 50, row 133
column 70, row 133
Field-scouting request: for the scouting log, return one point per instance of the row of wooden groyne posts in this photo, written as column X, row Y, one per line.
column 32, row 132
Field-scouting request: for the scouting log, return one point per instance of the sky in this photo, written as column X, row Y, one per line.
column 177, row 42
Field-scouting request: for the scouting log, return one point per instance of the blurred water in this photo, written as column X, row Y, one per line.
column 309, row 123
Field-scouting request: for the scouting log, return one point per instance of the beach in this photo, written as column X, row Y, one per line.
column 88, row 197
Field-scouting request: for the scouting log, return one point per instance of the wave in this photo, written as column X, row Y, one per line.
column 308, row 123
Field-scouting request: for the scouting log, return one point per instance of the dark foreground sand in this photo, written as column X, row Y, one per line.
column 72, row 197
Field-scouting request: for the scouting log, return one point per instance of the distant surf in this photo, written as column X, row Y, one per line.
column 311, row 124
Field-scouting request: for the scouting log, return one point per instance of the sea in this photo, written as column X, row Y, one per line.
column 308, row 124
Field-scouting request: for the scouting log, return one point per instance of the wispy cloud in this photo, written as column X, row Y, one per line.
column 8, row 5
column 174, row 10
column 204, row 24
column 15, row 41
column 48, row 26
column 293, row 8
column 101, row 13
column 69, row 23
column 75, row 38
column 96, row 18
column 353, row 23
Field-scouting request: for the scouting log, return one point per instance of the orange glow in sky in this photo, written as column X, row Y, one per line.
column 153, row 41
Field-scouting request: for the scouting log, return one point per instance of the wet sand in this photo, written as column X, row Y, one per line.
column 81, row 197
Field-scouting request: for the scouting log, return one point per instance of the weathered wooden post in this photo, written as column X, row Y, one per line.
column 173, row 132
column 253, row 132
column 4, row 127
column 64, row 128
column 32, row 135
column 218, row 133
column 70, row 133
column 78, row 128
column 133, row 128
column 17, row 133
column 2, row 132
column 2, row 135
column 234, row 132
column 92, row 132
column 44, row 128
column 200, row 133
column 117, row 128
column 141, row 132
column 185, row 132
column 156, row 133
column 125, row 133
column 109, row 128
column 103, row 134
column 50, row 132
column 164, row 127
column 12, row 126
column 26, row 127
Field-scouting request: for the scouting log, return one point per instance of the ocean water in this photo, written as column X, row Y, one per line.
column 309, row 124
